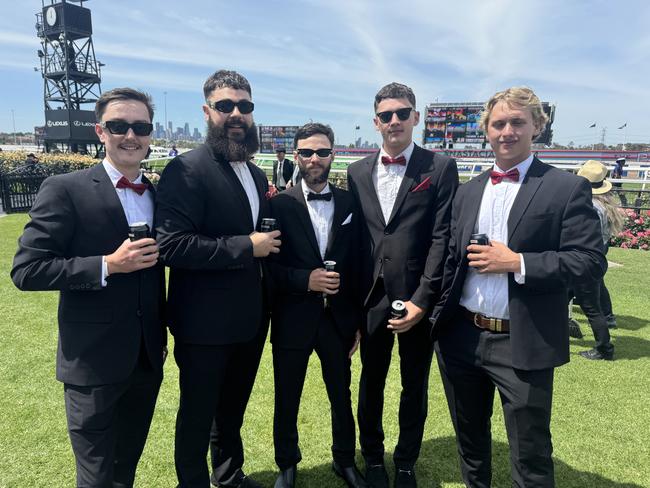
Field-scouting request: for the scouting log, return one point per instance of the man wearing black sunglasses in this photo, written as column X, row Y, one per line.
column 111, row 333
column 405, row 193
column 211, row 202
column 315, row 309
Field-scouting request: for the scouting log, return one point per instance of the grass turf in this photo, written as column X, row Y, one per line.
column 601, row 419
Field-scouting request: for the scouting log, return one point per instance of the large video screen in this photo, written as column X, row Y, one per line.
column 458, row 124
column 274, row 136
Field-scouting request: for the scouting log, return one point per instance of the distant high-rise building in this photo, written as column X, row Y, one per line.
column 196, row 135
column 186, row 130
column 170, row 130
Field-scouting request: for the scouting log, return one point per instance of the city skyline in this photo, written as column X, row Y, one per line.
column 586, row 57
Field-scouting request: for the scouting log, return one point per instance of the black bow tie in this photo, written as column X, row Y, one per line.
column 319, row 196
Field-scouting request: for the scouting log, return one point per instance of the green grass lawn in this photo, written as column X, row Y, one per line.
column 601, row 417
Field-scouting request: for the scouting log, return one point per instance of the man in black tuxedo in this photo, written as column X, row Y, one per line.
column 315, row 309
column 111, row 332
column 405, row 194
column 502, row 320
column 210, row 202
column 282, row 170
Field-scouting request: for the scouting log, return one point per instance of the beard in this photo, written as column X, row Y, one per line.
column 314, row 180
column 233, row 148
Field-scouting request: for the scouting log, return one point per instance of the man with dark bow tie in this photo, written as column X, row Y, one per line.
column 111, row 333
column 501, row 322
column 405, row 195
column 315, row 309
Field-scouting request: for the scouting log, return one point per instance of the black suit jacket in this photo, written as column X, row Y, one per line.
column 295, row 309
column 287, row 171
column 409, row 249
column 204, row 219
column 76, row 219
column 554, row 225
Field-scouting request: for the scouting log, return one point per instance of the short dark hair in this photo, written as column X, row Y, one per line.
column 311, row 129
column 395, row 90
column 122, row 94
column 225, row 79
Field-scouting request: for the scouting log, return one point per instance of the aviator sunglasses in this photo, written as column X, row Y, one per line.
column 119, row 127
column 308, row 153
column 226, row 106
column 402, row 114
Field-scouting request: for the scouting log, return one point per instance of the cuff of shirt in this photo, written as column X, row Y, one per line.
column 521, row 277
column 104, row 271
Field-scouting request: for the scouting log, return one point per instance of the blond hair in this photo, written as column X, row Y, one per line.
column 518, row 96
column 613, row 213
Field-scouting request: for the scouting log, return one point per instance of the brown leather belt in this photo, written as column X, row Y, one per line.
column 486, row 323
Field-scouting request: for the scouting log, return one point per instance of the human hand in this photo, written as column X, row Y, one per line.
column 133, row 256
column 493, row 258
column 413, row 315
column 265, row 243
column 324, row 281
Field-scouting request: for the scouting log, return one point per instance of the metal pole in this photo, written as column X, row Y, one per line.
column 165, row 93
column 13, row 119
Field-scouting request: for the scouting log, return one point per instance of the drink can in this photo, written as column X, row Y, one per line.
column 268, row 225
column 397, row 309
column 479, row 239
column 138, row 230
column 330, row 265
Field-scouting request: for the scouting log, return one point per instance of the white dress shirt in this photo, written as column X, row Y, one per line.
column 248, row 183
column 280, row 173
column 321, row 213
column 488, row 293
column 387, row 179
column 137, row 208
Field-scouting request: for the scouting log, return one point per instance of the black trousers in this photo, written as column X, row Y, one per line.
column 289, row 370
column 472, row 364
column 415, row 351
column 589, row 296
column 605, row 300
column 108, row 426
column 215, row 384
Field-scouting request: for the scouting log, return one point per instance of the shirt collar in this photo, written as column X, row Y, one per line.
column 406, row 152
column 522, row 167
column 306, row 190
column 115, row 175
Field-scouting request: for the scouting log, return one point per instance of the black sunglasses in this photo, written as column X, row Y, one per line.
column 226, row 106
column 402, row 114
column 308, row 153
column 119, row 127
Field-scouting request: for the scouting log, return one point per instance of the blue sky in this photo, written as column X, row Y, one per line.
column 324, row 60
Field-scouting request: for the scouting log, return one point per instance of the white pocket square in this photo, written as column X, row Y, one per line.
column 347, row 220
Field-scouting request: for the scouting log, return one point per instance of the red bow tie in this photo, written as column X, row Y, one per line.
column 497, row 177
column 139, row 188
column 401, row 160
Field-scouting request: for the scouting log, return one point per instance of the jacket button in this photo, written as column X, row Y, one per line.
column 386, row 233
column 139, row 313
column 386, row 259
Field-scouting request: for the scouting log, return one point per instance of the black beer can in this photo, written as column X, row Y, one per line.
column 479, row 239
column 138, row 230
column 268, row 225
column 330, row 265
column 397, row 309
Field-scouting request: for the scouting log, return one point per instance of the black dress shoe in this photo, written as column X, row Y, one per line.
column 376, row 476
column 350, row 475
column 405, row 478
column 286, row 478
column 596, row 354
column 242, row 481
column 574, row 329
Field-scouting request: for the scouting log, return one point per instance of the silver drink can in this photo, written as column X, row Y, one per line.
column 397, row 309
column 330, row 265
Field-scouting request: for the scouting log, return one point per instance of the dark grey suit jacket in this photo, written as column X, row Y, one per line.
column 78, row 218
column 554, row 225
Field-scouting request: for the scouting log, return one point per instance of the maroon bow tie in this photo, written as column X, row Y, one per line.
column 401, row 160
column 139, row 188
column 497, row 177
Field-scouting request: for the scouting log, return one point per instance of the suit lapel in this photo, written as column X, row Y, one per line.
column 529, row 187
column 104, row 189
column 236, row 185
column 303, row 217
column 340, row 212
column 413, row 169
column 370, row 189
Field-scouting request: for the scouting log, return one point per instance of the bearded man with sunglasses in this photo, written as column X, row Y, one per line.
column 405, row 194
column 111, row 332
column 211, row 201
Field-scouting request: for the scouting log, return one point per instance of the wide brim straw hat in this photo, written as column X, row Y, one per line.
column 596, row 172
